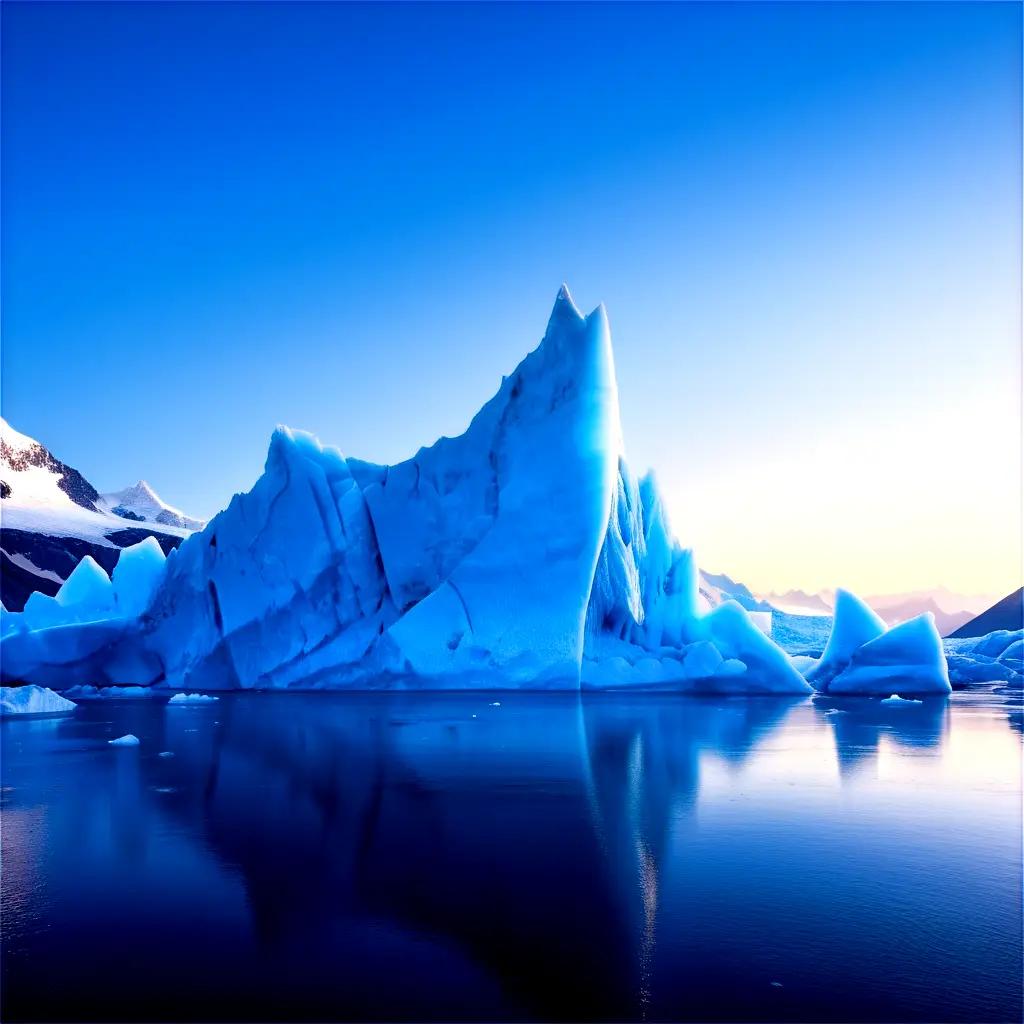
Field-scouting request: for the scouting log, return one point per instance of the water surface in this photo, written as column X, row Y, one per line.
column 438, row 856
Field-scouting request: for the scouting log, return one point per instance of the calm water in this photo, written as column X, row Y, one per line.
column 433, row 856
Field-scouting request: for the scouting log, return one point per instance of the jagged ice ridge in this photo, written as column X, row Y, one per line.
column 523, row 553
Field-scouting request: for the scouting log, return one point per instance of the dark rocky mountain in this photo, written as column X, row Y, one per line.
column 51, row 517
column 1005, row 614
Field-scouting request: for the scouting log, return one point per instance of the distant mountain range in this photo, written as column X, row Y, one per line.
column 951, row 610
column 51, row 516
column 799, row 602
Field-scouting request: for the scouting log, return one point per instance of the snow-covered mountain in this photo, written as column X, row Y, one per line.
column 142, row 504
column 51, row 517
column 522, row 553
column 717, row 588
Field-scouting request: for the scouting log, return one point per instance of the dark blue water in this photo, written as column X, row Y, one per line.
column 415, row 857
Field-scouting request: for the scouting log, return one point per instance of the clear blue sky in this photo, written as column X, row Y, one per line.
column 804, row 222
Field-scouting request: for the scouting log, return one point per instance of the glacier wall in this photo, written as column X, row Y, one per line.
column 522, row 553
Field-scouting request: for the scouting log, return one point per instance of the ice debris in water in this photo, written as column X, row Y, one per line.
column 897, row 699
column 166, row 753
column 192, row 698
column 128, row 740
column 86, row 692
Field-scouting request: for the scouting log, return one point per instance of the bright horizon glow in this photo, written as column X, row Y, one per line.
column 804, row 222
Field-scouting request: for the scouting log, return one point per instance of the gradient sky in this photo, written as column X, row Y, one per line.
column 805, row 222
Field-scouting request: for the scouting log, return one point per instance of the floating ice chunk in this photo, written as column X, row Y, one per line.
column 964, row 669
column 993, row 645
column 1013, row 656
column 193, row 698
column 909, row 655
column 87, row 692
column 897, row 699
column 166, row 753
column 83, row 692
column 854, row 624
column 138, row 573
column 495, row 703
column 32, row 700
column 769, row 670
column 128, row 740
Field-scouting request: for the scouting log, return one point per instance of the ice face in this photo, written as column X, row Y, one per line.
column 137, row 575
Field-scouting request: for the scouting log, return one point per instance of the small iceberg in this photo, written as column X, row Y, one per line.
column 32, row 700
column 193, row 698
column 166, row 753
column 86, row 692
column 128, row 740
column 897, row 699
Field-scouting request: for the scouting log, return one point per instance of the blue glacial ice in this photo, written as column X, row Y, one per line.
column 522, row 553
column 863, row 656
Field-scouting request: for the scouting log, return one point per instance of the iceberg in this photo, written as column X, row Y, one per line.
column 32, row 700
column 853, row 625
column 996, row 657
column 128, row 740
column 909, row 654
column 896, row 700
column 863, row 656
column 86, row 692
column 522, row 553
column 187, row 699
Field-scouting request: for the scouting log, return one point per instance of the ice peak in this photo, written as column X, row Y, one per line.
column 564, row 309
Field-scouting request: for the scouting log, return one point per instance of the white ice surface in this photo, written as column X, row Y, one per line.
column 32, row 700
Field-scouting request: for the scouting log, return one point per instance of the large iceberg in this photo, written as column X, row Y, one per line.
column 523, row 553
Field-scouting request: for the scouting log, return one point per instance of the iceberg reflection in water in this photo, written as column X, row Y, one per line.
column 417, row 856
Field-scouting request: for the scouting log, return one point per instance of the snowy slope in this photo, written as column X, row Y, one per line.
column 51, row 517
column 718, row 588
